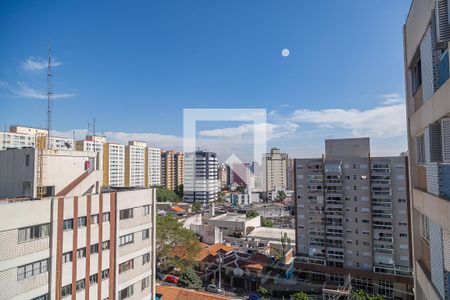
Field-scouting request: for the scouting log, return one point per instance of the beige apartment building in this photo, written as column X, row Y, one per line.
column 352, row 218
column 172, row 169
column 74, row 240
column 426, row 36
column 274, row 170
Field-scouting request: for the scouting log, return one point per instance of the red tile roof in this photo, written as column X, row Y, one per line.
column 176, row 293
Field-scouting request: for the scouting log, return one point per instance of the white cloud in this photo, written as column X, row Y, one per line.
column 3, row 83
column 379, row 122
column 389, row 99
column 238, row 133
column 25, row 91
column 38, row 63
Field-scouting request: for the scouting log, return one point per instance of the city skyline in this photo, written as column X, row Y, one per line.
column 224, row 66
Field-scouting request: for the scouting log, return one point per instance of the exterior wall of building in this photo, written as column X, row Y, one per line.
column 135, row 164
column 274, row 170
column 426, row 43
column 113, row 165
column 231, row 224
column 201, row 183
column 352, row 211
column 79, row 239
column 9, row 140
column 172, row 169
column 154, row 166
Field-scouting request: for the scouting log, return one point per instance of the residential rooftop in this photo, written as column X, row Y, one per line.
column 273, row 234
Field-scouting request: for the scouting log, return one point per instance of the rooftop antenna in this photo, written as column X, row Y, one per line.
column 49, row 96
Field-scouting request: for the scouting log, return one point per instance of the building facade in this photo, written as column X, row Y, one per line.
column 352, row 216
column 172, row 169
column 153, row 167
column 113, row 165
column 135, row 164
column 201, row 183
column 426, row 36
column 274, row 170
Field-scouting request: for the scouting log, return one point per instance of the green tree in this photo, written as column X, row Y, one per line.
column 175, row 246
column 281, row 195
column 362, row 295
column 266, row 222
column 196, row 207
column 300, row 296
column 165, row 195
column 190, row 280
column 262, row 291
column 179, row 190
column 251, row 214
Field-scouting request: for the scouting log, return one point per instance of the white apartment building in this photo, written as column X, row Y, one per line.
column 274, row 170
column 10, row 140
column 201, row 183
column 91, row 143
column 113, row 165
column 153, row 167
column 352, row 218
column 135, row 164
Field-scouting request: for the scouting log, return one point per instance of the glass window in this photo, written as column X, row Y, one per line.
column 68, row 224
column 126, row 213
column 33, row 232
column 145, row 258
column 80, row 285
column 105, row 217
column 81, row 253
column 126, row 239
column 94, row 219
column 32, row 269
column 67, row 257
column 126, row 292
column 125, row 266
column 94, row 248
column 145, row 234
column 105, row 274
column 145, row 283
column 82, row 221
column 146, row 210
column 66, row 290
column 93, row 279
column 105, row 245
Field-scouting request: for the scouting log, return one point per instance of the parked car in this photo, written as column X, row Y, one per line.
column 214, row 289
column 160, row 276
column 171, row 279
column 254, row 297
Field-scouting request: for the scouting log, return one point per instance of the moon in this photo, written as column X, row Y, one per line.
column 285, row 52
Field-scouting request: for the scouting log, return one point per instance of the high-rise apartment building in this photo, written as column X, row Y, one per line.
column 74, row 241
column 153, row 167
column 201, row 183
column 274, row 170
column 426, row 60
column 91, row 143
column 135, row 164
column 223, row 171
column 113, row 165
column 352, row 218
column 172, row 169
column 290, row 174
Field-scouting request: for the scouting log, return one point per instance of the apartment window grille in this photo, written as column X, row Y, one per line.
column 33, row 232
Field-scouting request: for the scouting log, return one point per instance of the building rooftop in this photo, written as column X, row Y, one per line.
column 165, row 292
column 270, row 233
column 230, row 217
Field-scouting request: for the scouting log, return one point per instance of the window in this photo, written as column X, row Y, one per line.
column 82, row 221
column 125, row 266
column 105, row 245
column 126, row 292
column 33, row 232
column 68, row 224
column 27, row 160
column 67, row 257
column 94, row 248
column 105, row 217
column 80, row 285
column 126, row 213
column 146, row 210
column 145, row 283
column 145, row 234
column 94, row 219
column 66, row 290
column 403, row 235
column 145, row 258
column 105, row 274
column 401, row 200
column 32, row 269
column 93, row 279
column 126, row 239
column 81, row 252
column 42, row 297
column 416, row 74
column 420, row 149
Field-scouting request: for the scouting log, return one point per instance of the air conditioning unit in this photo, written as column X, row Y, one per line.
column 442, row 21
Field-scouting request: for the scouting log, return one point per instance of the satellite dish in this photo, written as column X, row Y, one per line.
column 238, row 272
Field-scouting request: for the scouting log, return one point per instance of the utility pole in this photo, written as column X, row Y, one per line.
column 49, row 96
column 220, row 270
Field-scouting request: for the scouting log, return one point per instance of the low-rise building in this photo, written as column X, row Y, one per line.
column 234, row 224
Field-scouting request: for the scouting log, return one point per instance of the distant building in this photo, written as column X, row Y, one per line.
column 91, row 143
column 240, row 174
column 201, row 183
column 233, row 224
column 223, row 174
column 172, row 169
column 113, row 165
column 352, row 216
column 135, row 164
column 290, row 175
column 274, row 170
column 153, row 167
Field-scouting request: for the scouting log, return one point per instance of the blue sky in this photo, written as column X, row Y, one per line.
column 135, row 65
